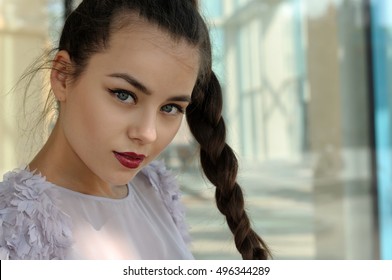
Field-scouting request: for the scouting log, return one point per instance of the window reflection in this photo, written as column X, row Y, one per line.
column 296, row 85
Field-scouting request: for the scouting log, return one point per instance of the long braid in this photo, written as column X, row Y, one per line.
column 204, row 116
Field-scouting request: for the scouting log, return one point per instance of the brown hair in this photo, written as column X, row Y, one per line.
column 87, row 31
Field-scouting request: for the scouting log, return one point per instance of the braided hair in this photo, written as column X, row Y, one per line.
column 220, row 165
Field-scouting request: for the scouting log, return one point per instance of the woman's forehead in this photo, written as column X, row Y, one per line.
column 144, row 37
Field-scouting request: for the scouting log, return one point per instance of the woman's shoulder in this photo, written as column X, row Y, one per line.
column 32, row 225
column 166, row 184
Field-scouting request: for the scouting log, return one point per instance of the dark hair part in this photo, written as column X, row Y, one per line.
column 87, row 31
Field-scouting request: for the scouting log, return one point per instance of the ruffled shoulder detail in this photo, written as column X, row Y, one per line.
column 31, row 225
column 166, row 184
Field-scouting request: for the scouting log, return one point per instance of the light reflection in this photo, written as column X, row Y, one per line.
column 317, row 9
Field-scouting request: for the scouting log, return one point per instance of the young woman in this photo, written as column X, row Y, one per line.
column 124, row 74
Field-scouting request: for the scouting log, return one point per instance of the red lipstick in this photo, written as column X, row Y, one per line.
column 129, row 160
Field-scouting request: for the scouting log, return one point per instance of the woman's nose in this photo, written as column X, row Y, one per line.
column 144, row 128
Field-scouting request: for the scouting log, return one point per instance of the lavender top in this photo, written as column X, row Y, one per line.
column 40, row 220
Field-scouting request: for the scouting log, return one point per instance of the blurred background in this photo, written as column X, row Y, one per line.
column 308, row 107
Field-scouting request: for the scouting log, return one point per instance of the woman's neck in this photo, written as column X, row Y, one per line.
column 61, row 166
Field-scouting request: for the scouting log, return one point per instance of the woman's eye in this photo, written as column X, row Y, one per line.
column 124, row 96
column 172, row 109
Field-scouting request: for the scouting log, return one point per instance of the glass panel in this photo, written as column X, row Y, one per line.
column 26, row 29
column 296, row 105
column 55, row 18
column 212, row 9
column 382, row 51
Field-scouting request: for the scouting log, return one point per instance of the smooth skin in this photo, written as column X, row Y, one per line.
column 130, row 98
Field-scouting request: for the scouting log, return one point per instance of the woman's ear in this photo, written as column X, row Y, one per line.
column 60, row 74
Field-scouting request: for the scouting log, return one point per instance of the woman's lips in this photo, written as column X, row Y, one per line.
column 129, row 160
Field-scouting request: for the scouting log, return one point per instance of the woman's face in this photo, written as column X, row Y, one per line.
column 128, row 104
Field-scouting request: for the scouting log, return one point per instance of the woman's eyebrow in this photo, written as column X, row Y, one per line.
column 180, row 98
column 132, row 81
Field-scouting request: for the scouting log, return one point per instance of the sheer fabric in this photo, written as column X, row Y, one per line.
column 40, row 220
